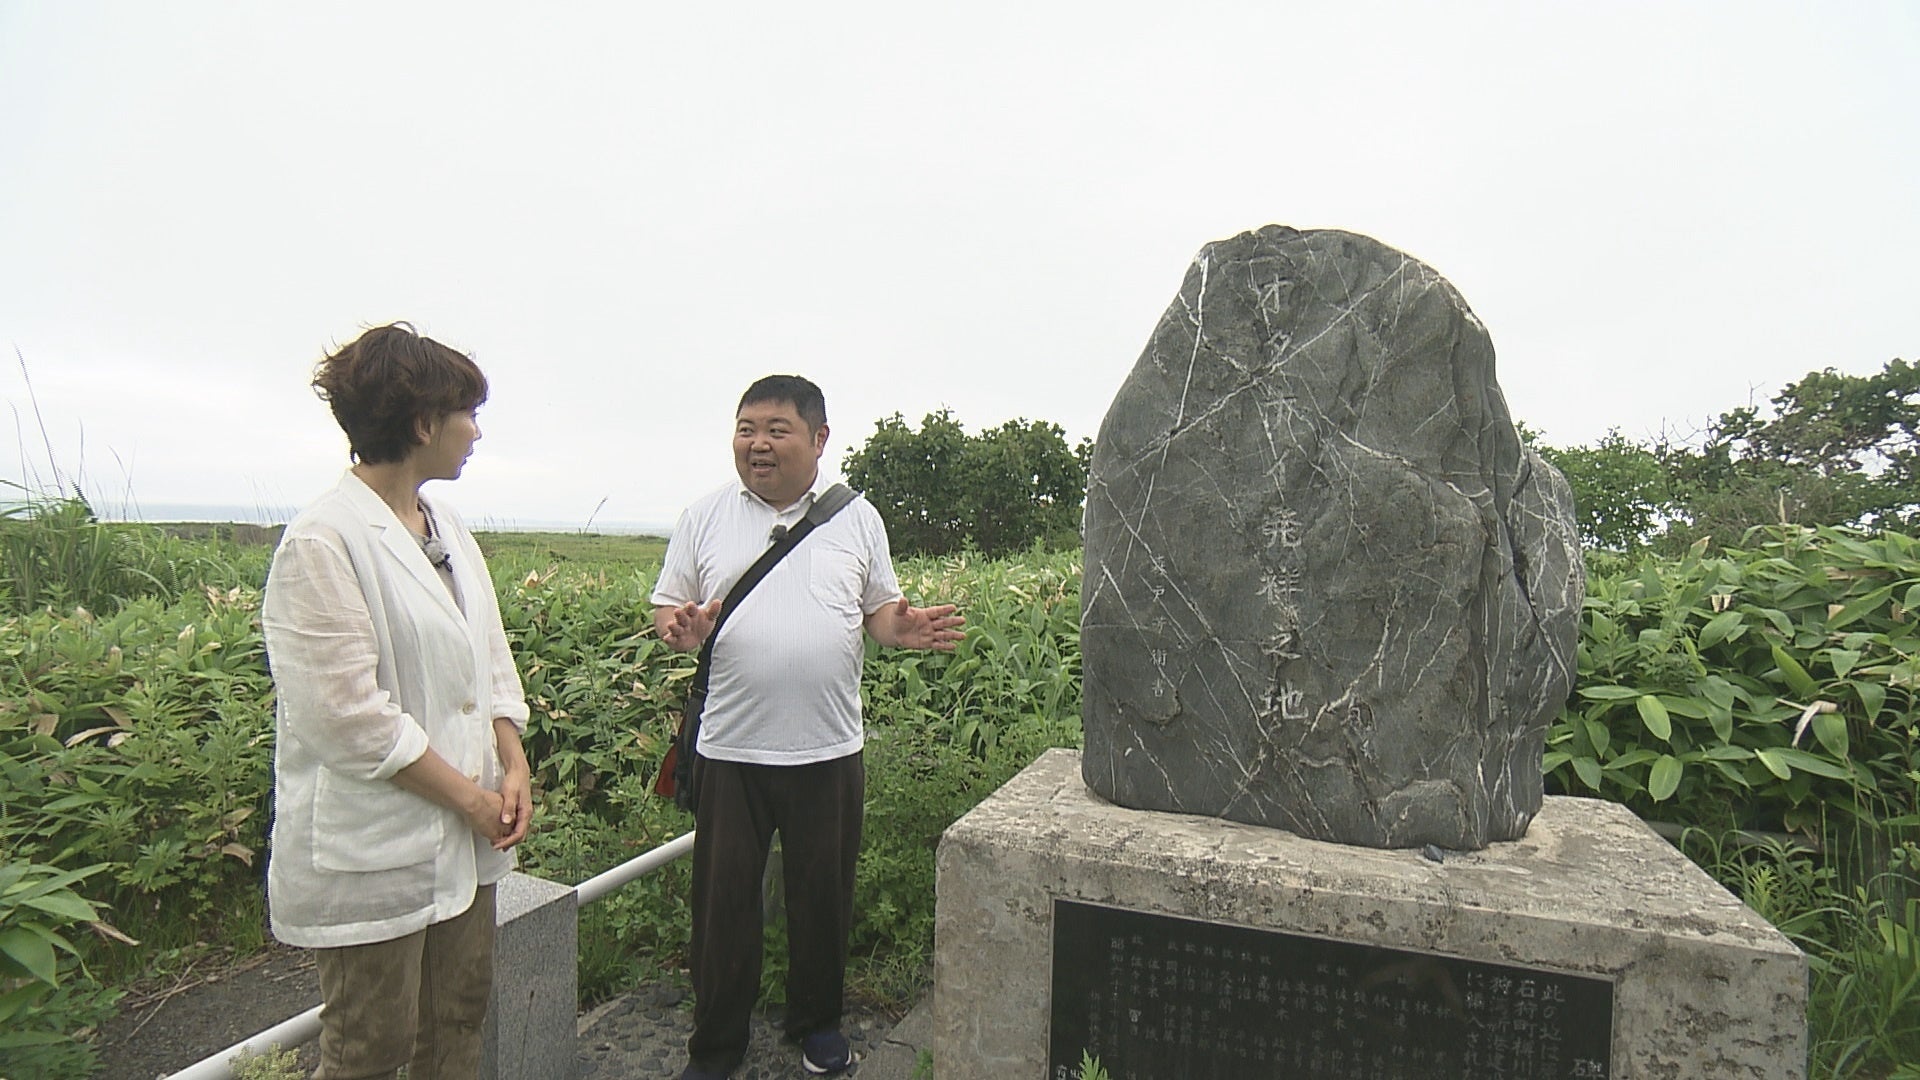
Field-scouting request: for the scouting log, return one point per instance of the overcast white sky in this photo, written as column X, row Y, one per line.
column 627, row 212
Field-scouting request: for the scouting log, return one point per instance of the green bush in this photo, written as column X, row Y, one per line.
column 1770, row 688
column 143, row 741
column 46, row 993
column 1018, row 665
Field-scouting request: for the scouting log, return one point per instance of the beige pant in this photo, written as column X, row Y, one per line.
column 416, row 1001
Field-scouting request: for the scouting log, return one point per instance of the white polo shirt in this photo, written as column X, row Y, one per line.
column 785, row 685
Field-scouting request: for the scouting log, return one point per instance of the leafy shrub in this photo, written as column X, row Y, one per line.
column 1772, row 688
column 142, row 741
column 46, row 994
column 1773, row 685
column 1019, row 663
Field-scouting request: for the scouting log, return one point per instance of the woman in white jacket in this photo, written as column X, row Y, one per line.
column 400, row 785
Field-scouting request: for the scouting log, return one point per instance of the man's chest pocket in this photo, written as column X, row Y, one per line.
column 836, row 578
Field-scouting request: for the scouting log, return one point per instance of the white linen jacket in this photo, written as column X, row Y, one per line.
column 372, row 663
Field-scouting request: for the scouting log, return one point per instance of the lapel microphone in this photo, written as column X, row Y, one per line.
column 437, row 554
column 779, row 533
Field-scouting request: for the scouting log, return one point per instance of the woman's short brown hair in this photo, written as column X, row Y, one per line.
column 388, row 379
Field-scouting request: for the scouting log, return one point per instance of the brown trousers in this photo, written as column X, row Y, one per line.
column 818, row 811
column 417, row 1001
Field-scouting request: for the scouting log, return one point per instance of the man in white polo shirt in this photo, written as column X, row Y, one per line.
column 781, row 736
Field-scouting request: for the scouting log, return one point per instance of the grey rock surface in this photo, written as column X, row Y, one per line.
column 1327, row 589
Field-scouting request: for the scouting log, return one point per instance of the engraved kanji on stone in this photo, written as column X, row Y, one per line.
column 1273, row 296
column 1284, row 645
column 1281, row 526
column 1282, row 583
column 1288, row 702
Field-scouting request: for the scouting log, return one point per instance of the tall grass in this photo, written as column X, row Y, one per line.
column 55, row 553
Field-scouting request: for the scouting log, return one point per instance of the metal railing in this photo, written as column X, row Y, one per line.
column 304, row 1028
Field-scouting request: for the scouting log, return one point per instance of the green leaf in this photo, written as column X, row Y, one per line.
column 1797, row 678
column 1717, row 690
column 1654, row 715
column 14, row 1039
column 1776, row 764
column 19, row 999
column 1857, row 608
column 1842, row 660
column 1831, row 730
column 64, row 904
column 1553, row 760
column 1722, row 721
column 1608, row 693
column 31, row 952
column 1726, row 626
column 1779, row 620
column 1872, row 697
column 1628, row 760
column 1682, row 706
column 1665, row 778
column 1598, row 736
column 1782, row 761
column 1588, row 770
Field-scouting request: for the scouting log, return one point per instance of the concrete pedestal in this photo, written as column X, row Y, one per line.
column 536, row 957
column 1701, row 986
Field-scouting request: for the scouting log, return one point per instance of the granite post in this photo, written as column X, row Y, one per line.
column 532, row 1021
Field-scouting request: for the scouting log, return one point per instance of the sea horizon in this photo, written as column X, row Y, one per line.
column 161, row 513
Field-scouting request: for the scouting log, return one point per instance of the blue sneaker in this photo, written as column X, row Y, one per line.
column 824, row 1053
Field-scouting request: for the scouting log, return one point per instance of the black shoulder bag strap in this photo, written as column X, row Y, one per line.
column 676, row 773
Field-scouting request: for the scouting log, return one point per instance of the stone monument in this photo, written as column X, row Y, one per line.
column 1327, row 589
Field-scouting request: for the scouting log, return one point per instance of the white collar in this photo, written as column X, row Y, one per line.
column 800, row 505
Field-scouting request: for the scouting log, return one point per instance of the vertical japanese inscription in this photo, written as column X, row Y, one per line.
column 1157, row 995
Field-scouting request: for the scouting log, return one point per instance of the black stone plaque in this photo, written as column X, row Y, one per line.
column 1156, row 997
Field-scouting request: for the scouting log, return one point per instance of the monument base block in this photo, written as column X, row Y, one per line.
column 1168, row 946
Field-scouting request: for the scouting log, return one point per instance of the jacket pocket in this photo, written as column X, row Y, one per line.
column 365, row 825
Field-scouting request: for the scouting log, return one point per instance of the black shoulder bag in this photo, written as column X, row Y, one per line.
column 676, row 778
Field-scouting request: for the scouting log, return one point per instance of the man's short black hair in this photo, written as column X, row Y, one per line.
column 806, row 398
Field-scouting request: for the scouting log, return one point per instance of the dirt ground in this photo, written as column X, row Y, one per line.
column 164, row 1028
